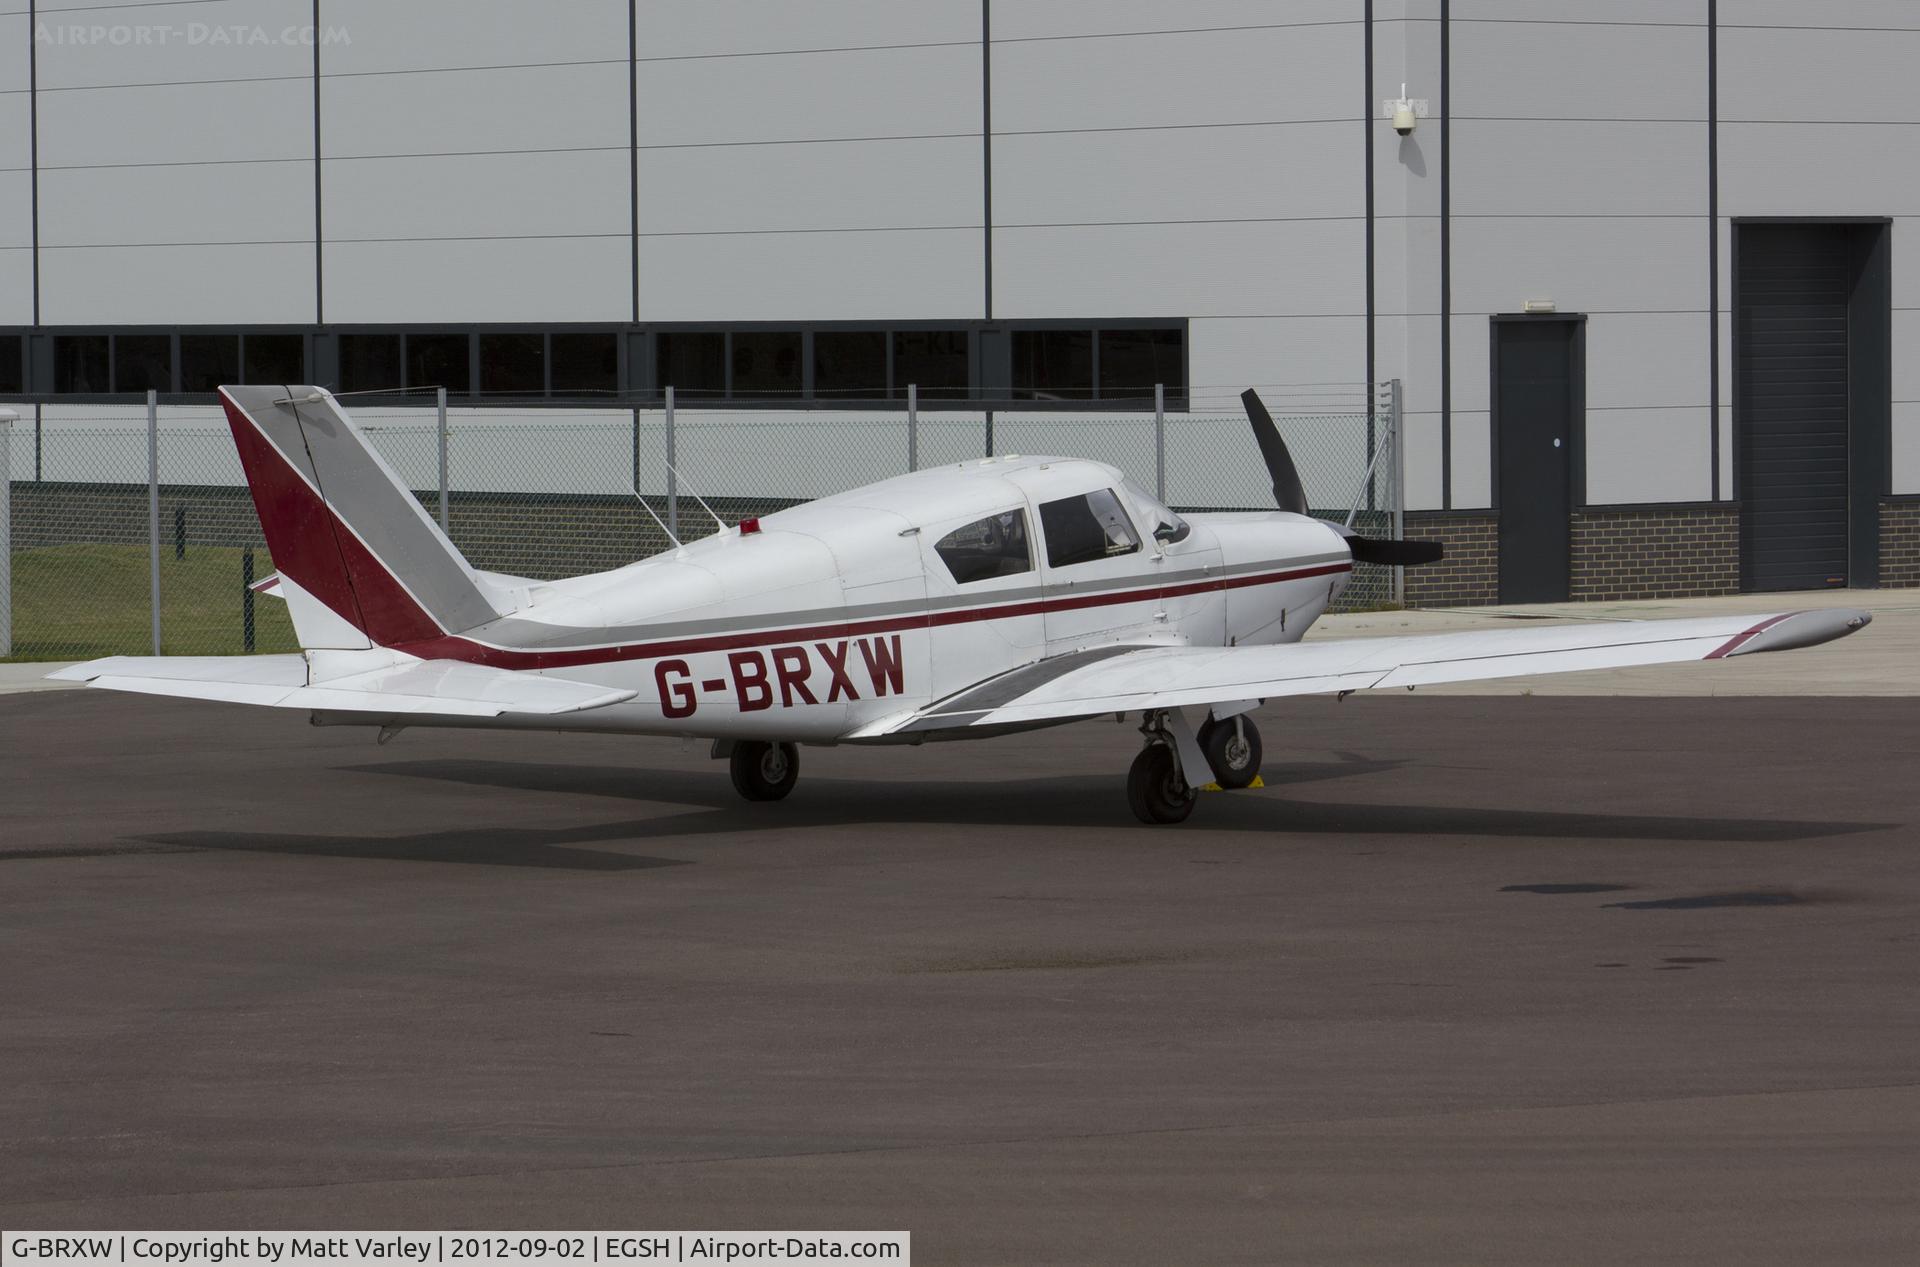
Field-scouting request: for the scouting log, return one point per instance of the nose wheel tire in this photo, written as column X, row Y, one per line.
column 764, row 771
column 1233, row 751
column 1155, row 790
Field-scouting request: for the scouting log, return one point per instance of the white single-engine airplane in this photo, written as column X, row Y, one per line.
column 962, row 602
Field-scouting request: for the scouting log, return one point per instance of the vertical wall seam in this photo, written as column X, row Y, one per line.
column 1446, row 259
column 319, row 231
column 1713, row 248
column 33, row 141
column 986, row 151
column 1366, row 122
column 633, row 146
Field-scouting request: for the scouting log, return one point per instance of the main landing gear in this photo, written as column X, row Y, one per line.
column 763, row 771
column 1157, row 788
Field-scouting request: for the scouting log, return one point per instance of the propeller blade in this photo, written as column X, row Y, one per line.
column 1401, row 554
column 1287, row 491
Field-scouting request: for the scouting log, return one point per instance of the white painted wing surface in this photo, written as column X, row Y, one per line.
column 444, row 688
column 1118, row 680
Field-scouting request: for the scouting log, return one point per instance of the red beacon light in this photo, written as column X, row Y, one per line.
column 749, row 525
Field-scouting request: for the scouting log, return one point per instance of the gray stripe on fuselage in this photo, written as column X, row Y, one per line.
column 361, row 491
column 519, row 632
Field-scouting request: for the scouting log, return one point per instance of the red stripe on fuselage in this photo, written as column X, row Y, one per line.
column 317, row 551
column 456, row 648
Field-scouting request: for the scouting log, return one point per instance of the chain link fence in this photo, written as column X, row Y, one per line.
column 130, row 529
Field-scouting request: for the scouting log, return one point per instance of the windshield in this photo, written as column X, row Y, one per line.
column 1166, row 525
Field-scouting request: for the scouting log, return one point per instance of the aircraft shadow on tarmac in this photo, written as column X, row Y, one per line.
column 478, row 846
column 1073, row 801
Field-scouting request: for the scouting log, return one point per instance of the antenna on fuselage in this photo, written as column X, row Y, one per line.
column 656, row 518
column 720, row 525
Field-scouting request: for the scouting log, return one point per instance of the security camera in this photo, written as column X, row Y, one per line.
column 1405, row 112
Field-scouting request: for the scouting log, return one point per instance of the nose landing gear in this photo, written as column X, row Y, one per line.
column 1158, row 790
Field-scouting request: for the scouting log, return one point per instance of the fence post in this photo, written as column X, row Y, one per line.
column 246, row 599
column 1399, row 493
column 633, row 467
column 6, row 532
column 1160, row 441
column 1373, row 440
column 673, row 479
column 913, row 426
column 153, row 511
column 440, row 429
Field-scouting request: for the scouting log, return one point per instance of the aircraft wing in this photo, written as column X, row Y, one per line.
column 1123, row 679
column 444, row 688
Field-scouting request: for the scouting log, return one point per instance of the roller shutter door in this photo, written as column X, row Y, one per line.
column 1795, row 282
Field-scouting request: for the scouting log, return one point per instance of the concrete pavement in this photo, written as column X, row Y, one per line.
column 1473, row 981
column 1882, row 659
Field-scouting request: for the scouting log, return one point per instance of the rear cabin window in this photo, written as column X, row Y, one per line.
column 1083, row 529
column 986, row 548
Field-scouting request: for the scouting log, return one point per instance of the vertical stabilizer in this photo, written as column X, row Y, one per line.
column 362, row 562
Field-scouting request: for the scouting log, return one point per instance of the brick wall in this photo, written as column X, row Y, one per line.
column 1656, row 552
column 1470, row 574
column 1900, row 544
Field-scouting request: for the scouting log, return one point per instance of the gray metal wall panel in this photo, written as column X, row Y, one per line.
column 1177, row 174
column 707, row 28
column 1583, row 263
column 1585, row 12
column 1561, row 70
column 448, row 280
column 1647, row 455
column 852, row 276
column 773, row 188
column 1198, row 270
column 812, row 96
column 424, row 34
column 1906, row 446
column 1051, row 19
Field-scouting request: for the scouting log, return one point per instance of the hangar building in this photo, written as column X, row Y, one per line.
column 1635, row 262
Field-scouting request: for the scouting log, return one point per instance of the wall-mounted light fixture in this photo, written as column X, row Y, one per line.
column 1405, row 112
column 1537, row 305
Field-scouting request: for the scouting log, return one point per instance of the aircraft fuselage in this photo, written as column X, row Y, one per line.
column 838, row 615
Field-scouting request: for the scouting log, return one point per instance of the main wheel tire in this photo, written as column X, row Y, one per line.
column 1155, row 791
column 1234, row 756
column 764, row 771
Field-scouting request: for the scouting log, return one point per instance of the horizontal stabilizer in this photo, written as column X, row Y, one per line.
column 442, row 688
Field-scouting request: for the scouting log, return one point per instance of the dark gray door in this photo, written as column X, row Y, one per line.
column 1795, row 284
column 1535, row 397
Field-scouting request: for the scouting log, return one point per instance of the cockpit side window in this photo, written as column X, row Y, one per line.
column 1085, row 528
column 986, row 548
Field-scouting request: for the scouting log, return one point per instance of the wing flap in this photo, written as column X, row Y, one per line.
column 1141, row 678
column 445, row 688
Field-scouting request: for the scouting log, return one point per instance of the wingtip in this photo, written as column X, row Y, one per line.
column 1802, row 629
